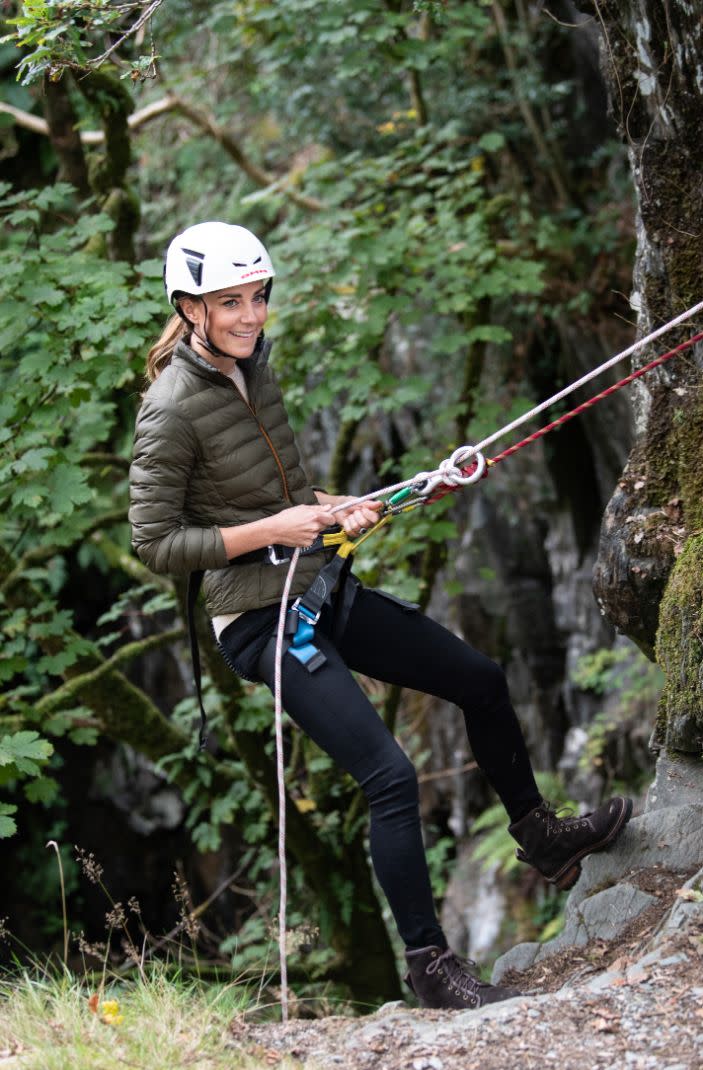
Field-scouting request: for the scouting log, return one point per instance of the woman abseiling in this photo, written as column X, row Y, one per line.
column 216, row 478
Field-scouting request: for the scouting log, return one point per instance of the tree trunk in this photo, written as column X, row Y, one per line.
column 108, row 170
column 649, row 574
column 64, row 134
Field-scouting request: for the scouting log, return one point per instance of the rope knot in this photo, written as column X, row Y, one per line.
column 449, row 472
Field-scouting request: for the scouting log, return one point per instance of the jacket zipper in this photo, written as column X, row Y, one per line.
column 262, row 429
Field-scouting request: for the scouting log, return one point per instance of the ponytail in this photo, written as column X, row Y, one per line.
column 159, row 356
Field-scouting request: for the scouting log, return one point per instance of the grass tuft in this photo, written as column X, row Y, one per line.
column 49, row 1020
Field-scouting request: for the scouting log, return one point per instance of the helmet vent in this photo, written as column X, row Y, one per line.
column 194, row 261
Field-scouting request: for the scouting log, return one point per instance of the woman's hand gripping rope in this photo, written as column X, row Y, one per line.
column 358, row 519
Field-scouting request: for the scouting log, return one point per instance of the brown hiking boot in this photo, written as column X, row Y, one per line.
column 443, row 981
column 555, row 845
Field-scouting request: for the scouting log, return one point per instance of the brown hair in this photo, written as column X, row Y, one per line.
column 159, row 356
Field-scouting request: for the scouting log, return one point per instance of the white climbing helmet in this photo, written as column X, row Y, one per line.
column 210, row 256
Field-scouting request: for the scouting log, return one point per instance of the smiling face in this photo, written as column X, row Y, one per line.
column 231, row 319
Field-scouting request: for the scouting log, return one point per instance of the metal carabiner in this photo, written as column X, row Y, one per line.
column 478, row 472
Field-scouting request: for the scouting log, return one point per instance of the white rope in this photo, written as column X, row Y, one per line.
column 448, row 471
column 464, row 453
column 278, row 714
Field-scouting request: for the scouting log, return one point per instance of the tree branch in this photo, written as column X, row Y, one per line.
column 455, row 770
column 25, row 119
column 64, row 135
column 72, row 688
column 133, row 29
column 262, row 178
column 90, row 137
column 417, row 96
column 99, row 459
column 116, row 557
column 525, row 108
column 205, row 122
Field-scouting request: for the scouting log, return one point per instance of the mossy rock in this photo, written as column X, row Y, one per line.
column 689, row 440
column 680, row 652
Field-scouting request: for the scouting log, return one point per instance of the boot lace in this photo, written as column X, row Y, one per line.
column 562, row 819
column 456, row 972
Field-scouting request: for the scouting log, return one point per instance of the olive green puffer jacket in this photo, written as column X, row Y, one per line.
column 205, row 459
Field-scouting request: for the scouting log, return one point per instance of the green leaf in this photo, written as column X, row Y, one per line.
column 33, row 460
column 492, row 141
column 44, row 790
column 10, row 666
column 25, row 750
column 68, row 487
column 8, row 827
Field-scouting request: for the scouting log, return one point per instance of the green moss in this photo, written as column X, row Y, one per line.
column 680, row 651
column 96, row 246
column 108, row 94
column 122, row 205
column 689, row 450
column 659, row 468
column 674, row 447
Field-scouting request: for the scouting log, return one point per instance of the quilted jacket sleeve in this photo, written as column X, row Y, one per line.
column 163, row 458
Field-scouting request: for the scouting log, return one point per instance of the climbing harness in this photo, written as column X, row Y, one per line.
column 302, row 617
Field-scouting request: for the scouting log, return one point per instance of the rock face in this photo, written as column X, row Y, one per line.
column 605, row 914
column 677, row 781
column 663, row 845
column 474, row 907
column 648, row 576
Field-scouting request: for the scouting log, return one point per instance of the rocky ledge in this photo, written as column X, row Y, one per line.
column 621, row 986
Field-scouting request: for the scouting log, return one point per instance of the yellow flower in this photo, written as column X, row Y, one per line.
column 305, row 805
column 110, row 1015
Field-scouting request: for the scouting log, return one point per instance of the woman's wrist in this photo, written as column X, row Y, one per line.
column 242, row 538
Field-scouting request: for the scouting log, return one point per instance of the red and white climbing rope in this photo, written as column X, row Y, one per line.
column 450, row 469
column 446, row 488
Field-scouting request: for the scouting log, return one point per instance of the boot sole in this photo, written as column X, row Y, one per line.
column 567, row 876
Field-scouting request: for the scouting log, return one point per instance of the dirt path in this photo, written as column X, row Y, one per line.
column 640, row 1013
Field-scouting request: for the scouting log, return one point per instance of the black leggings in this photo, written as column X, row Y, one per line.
column 395, row 643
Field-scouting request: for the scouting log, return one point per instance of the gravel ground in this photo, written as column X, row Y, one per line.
column 644, row 1011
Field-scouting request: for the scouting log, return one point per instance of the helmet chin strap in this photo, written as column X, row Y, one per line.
column 204, row 339
column 211, row 348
